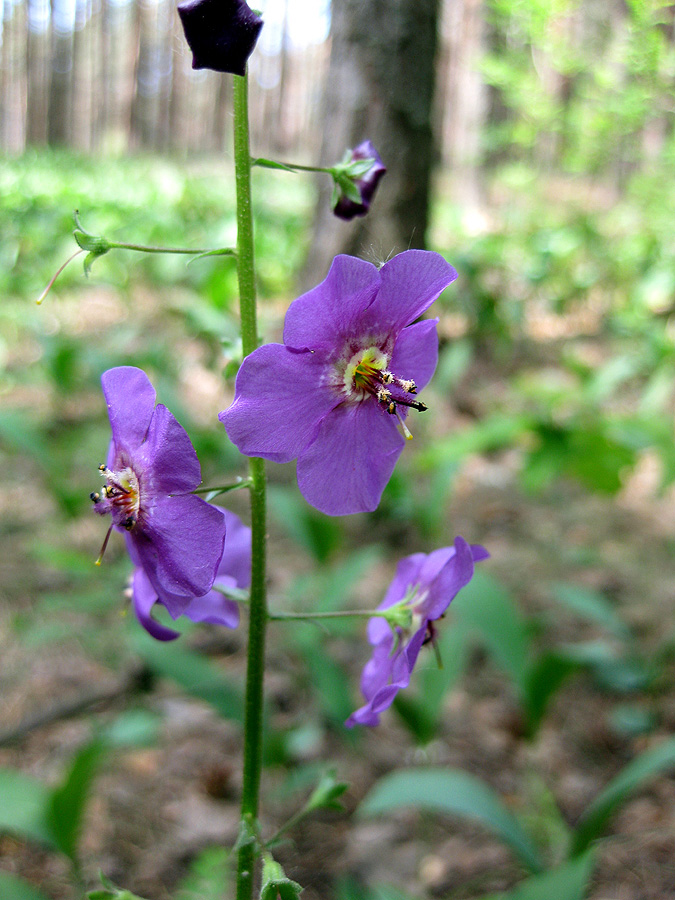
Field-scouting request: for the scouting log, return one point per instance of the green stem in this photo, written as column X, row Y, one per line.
column 142, row 248
column 339, row 614
column 253, row 727
column 291, row 167
column 224, row 488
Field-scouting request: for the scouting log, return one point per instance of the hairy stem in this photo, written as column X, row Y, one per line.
column 253, row 729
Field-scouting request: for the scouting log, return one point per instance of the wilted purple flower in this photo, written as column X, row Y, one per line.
column 234, row 571
column 354, row 199
column 422, row 589
column 349, row 366
column 175, row 536
column 220, row 33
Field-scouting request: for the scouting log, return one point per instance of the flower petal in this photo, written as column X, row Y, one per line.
column 455, row 574
column 279, row 402
column 410, row 282
column 215, row 609
column 180, row 544
column 131, row 401
column 407, row 574
column 415, row 353
column 347, row 467
column 236, row 559
column 323, row 316
column 167, row 457
column 144, row 598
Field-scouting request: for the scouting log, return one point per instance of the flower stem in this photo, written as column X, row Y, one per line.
column 253, row 727
column 188, row 251
column 224, row 488
column 338, row 614
column 289, row 167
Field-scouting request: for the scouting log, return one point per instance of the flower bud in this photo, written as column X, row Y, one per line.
column 220, row 33
column 356, row 180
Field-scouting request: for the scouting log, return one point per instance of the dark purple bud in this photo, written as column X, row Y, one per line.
column 220, row 33
column 355, row 192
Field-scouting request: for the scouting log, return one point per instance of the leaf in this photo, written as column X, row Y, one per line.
column 331, row 685
column 568, row 882
column 209, row 876
column 455, row 793
column 133, row 728
column 327, row 793
column 23, row 811
column 67, row 803
column 193, row 673
column 12, row 888
column 487, row 608
column 593, row 606
column 318, row 534
column 543, row 679
column 421, row 710
column 595, row 817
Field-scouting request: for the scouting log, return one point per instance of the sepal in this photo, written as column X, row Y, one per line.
column 275, row 884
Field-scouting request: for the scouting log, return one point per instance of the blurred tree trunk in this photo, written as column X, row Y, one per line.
column 60, row 89
column 380, row 86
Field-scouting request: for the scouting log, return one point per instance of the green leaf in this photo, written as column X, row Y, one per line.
column 421, row 710
column 455, row 793
column 23, row 811
column 593, row 606
column 542, row 681
column 327, row 793
column 67, row 802
column 592, row 823
column 489, row 610
column 196, row 675
column 568, row 882
column 331, row 684
column 209, row 876
column 318, row 534
column 133, row 728
column 12, row 888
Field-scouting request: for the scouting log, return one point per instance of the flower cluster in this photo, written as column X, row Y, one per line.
column 335, row 395
column 420, row 593
column 350, row 367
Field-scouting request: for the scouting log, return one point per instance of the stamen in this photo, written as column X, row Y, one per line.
column 105, row 544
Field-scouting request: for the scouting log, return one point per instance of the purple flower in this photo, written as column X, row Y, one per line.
column 348, row 369
column 220, row 33
column 354, row 194
column 422, row 589
column 175, row 536
column 234, row 571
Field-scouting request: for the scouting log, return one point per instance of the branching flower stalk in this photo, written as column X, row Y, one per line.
column 253, row 729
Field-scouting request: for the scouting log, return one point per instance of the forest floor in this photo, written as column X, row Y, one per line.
column 154, row 808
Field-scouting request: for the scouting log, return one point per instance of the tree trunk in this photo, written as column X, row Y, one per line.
column 380, row 86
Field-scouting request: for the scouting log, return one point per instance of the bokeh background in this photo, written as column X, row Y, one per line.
column 532, row 143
